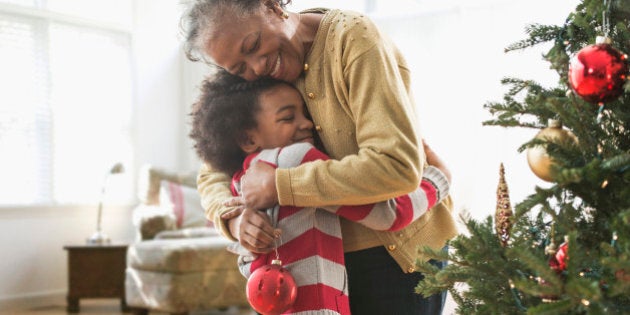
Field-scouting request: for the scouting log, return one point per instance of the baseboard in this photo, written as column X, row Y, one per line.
column 34, row 300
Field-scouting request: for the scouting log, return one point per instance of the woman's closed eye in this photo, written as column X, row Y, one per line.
column 287, row 118
column 254, row 46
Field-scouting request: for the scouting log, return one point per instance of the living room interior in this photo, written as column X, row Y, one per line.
column 95, row 84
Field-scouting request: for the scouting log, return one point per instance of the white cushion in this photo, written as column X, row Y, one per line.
column 185, row 204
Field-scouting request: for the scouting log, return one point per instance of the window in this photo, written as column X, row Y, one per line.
column 66, row 101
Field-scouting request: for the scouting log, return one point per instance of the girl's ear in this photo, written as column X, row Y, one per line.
column 249, row 145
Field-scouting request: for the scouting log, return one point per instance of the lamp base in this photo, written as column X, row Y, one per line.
column 98, row 238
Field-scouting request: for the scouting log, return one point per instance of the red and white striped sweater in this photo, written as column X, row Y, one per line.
column 311, row 246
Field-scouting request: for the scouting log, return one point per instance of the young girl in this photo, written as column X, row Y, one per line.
column 238, row 123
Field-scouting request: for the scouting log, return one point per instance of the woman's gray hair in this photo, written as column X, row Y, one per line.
column 202, row 17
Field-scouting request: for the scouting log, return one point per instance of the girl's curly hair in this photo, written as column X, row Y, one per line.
column 225, row 110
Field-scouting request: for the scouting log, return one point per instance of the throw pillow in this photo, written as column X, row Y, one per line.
column 150, row 220
column 185, row 203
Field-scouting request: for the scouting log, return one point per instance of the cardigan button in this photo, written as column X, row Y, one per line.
column 391, row 247
column 318, row 128
column 311, row 95
column 306, row 67
column 411, row 269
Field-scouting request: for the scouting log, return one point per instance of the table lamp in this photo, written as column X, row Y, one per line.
column 99, row 237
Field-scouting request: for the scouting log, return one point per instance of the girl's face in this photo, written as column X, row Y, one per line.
column 260, row 45
column 281, row 120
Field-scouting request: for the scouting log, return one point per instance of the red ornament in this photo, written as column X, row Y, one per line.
column 558, row 263
column 271, row 289
column 558, row 259
column 597, row 73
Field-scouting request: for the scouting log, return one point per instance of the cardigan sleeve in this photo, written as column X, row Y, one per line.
column 390, row 215
column 214, row 188
column 373, row 89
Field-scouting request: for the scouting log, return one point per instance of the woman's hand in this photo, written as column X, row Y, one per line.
column 231, row 214
column 252, row 228
column 434, row 159
column 258, row 187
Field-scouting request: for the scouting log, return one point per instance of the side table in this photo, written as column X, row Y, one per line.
column 96, row 271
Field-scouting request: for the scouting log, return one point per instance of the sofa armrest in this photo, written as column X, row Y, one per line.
column 194, row 232
column 150, row 178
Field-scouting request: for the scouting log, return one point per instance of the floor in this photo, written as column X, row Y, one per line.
column 107, row 307
column 112, row 307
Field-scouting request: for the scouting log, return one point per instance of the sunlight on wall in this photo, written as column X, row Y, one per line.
column 457, row 61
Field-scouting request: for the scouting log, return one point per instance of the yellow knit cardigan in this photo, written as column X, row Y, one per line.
column 357, row 89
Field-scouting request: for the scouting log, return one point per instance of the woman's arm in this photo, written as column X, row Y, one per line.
column 382, row 159
column 390, row 215
column 214, row 188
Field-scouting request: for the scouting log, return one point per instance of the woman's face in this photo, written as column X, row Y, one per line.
column 281, row 120
column 260, row 45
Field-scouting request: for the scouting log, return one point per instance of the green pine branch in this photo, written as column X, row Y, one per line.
column 588, row 203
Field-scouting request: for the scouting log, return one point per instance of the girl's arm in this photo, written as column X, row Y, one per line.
column 252, row 229
column 396, row 213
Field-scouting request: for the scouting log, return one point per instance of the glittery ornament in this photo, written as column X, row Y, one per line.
column 598, row 72
column 539, row 161
column 271, row 289
column 503, row 212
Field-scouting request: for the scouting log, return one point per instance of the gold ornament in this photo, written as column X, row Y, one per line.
column 503, row 213
column 539, row 161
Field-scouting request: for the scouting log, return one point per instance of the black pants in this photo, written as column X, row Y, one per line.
column 378, row 286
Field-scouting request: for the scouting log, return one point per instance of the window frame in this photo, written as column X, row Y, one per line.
column 46, row 18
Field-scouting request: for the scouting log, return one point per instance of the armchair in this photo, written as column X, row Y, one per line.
column 179, row 263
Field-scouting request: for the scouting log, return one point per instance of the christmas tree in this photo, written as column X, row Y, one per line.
column 564, row 249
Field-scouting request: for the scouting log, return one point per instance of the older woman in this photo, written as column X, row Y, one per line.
column 357, row 89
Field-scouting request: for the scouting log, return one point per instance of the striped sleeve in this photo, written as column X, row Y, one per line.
column 395, row 214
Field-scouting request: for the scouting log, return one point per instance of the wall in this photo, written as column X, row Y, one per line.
column 456, row 53
column 160, row 109
column 34, row 265
column 33, row 270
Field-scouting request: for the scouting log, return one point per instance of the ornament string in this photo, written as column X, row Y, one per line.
column 273, row 213
column 605, row 20
column 606, row 31
column 276, row 245
column 600, row 112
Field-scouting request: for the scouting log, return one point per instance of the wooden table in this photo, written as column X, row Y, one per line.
column 96, row 271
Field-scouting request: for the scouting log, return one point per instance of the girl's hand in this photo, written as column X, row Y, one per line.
column 434, row 159
column 253, row 229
